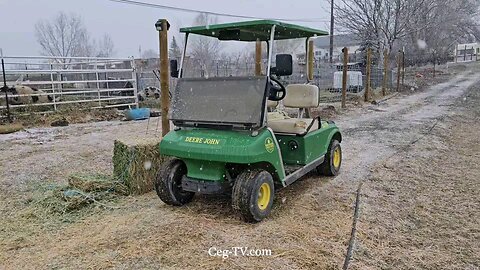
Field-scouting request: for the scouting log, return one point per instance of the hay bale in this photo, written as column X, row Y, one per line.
column 10, row 128
column 136, row 162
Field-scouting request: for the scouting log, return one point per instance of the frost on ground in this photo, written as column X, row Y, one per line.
column 420, row 207
column 311, row 221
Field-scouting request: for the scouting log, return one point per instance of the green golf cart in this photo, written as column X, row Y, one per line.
column 230, row 138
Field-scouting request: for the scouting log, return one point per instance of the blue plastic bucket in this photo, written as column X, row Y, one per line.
column 137, row 114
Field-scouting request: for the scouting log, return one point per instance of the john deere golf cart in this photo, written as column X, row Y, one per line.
column 230, row 139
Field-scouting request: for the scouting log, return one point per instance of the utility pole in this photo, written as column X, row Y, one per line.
column 332, row 22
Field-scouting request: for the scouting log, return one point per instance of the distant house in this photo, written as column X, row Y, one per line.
column 467, row 52
column 322, row 48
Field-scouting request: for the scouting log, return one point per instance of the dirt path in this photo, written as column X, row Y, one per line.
column 419, row 207
column 310, row 226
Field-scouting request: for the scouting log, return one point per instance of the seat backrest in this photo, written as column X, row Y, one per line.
column 301, row 96
column 272, row 104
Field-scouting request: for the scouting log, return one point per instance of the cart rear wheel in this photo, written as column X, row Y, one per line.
column 252, row 195
column 168, row 183
column 333, row 160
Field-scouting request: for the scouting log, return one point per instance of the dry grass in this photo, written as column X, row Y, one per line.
column 308, row 230
column 420, row 209
column 71, row 115
column 309, row 227
column 35, row 116
column 10, row 128
column 50, row 207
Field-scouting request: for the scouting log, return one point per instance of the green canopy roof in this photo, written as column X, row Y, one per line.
column 251, row 30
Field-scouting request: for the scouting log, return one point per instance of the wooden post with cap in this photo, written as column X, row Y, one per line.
column 344, row 78
column 258, row 57
column 162, row 26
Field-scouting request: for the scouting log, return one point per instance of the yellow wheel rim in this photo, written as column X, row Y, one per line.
column 264, row 194
column 337, row 156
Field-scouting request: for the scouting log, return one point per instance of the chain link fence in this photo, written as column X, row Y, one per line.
column 328, row 77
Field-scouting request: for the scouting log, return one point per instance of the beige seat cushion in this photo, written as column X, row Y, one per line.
column 291, row 125
column 301, row 96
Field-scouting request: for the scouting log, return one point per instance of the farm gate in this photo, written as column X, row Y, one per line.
column 75, row 82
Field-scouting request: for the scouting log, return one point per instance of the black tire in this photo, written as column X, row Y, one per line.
column 247, row 195
column 168, row 183
column 329, row 167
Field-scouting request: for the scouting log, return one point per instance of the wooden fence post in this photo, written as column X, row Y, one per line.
column 368, row 77
column 403, row 66
column 399, row 69
column 344, row 78
column 164, row 80
column 310, row 60
column 258, row 58
column 385, row 72
column 5, row 88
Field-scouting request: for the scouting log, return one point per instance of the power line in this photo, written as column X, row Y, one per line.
column 151, row 5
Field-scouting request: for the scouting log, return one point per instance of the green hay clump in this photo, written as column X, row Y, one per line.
column 136, row 163
column 96, row 183
column 82, row 190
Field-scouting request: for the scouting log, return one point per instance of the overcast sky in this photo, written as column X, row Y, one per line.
column 133, row 26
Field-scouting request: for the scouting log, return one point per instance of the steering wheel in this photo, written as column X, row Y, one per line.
column 276, row 88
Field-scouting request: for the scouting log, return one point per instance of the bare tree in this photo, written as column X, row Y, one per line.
column 290, row 46
column 440, row 24
column 205, row 49
column 175, row 52
column 148, row 54
column 380, row 23
column 105, row 47
column 66, row 36
column 63, row 36
column 390, row 24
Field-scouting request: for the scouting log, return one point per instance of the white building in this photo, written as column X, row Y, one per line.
column 467, row 52
column 322, row 48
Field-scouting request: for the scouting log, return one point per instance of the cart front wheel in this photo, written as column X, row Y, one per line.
column 168, row 183
column 333, row 160
column 252, row 195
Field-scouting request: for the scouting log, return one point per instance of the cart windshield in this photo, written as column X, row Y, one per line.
column 236, row 102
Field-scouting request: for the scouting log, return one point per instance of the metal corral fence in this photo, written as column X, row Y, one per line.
column 92, row 82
